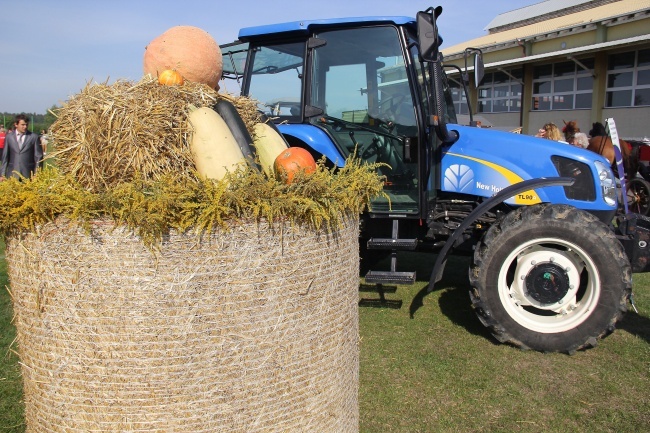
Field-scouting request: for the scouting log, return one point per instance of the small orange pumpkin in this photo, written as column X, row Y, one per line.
column 291, row 161
column 170, row 77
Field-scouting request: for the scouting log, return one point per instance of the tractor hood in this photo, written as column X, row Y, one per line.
column 482, row 162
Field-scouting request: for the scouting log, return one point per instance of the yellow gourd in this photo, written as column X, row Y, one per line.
column 213, row 146
column 268, row 143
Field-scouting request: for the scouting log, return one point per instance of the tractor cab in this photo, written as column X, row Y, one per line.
column 343, row 87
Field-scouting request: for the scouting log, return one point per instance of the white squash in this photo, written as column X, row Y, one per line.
column 213, row 146
column 269, row 143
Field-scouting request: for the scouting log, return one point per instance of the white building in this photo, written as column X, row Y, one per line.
column 561, row 60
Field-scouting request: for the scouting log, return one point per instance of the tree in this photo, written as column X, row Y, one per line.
column 37, row 122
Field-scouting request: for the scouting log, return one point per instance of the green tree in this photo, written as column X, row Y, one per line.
column 37, row 122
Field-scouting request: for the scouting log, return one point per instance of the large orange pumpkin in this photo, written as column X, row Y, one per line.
column 170, row 77
column 293, row 160
column 190, row 51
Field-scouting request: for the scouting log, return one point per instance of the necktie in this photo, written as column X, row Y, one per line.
column 21, row 140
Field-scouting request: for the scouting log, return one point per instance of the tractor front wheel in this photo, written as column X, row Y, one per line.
column 551, row 278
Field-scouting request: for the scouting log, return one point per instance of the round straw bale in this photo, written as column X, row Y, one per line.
column 251, row 329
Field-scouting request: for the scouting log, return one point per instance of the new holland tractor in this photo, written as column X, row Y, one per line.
column 553, row 255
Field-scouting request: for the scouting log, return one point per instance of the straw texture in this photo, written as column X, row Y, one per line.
column 251, row 329
column 106, row 134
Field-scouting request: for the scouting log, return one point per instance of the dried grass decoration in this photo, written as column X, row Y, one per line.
column 148, row 299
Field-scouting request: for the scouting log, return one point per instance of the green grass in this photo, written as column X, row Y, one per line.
column 440, row 371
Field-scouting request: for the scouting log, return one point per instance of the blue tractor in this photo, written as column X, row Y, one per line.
column 553, row 255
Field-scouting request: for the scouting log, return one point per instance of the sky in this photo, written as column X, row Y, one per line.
column 51, row 49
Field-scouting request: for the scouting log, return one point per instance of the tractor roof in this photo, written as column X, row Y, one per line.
column 306, row 26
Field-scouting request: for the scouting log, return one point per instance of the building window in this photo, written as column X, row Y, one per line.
column 628, row 79
column 458, row 96
column 563, row 85
column 500, row 92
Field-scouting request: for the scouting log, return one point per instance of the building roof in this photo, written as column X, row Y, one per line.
column 528, row 12
column 585, row 18
column 568, row 53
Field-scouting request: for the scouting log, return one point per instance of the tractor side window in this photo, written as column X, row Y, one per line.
column 360, row 76
column 360, row 80
column 276, row 79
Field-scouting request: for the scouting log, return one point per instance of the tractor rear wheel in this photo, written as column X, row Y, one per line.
column 550, row 278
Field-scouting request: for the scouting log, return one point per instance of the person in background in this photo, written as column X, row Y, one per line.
column 580, row 139
column 22, row 153
column 551, row 132
column 3, row 134
column 44, row 139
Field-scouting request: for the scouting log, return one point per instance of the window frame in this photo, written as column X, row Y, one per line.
column 554, row 98
column 457, row 92
column 512, row 97
column 633, row 87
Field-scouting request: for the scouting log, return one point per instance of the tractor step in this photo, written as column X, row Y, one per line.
column 392, row 244
column 374, row 288
column 390, row 277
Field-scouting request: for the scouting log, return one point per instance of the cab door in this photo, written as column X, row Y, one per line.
column 360, row 82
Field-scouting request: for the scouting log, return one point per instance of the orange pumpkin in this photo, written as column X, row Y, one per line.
column 189, row 50
column 293, row 160
column 170, row 77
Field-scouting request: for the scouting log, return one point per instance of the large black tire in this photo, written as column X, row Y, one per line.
column 550, row 278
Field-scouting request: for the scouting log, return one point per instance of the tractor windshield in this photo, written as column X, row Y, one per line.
column 276, row 78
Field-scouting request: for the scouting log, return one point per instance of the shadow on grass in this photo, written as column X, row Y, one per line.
column 456, row 305
column 454, row 301
column 454, row 275
column 636, row 324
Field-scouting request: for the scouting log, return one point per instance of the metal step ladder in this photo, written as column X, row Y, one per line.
column 394, row 244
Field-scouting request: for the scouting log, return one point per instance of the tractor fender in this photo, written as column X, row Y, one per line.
column 316, row 139
column 501, row 196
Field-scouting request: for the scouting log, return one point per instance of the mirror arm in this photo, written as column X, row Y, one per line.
column 463, row 81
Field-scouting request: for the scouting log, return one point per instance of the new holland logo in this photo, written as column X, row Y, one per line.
column 458, row 177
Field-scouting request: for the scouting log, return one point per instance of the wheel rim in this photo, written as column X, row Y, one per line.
column 638, row 197
column 549, row 285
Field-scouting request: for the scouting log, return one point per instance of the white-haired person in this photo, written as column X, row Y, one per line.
column 580, row 139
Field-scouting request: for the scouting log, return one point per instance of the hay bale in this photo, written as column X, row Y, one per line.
column 107, row 134
column 252, row 329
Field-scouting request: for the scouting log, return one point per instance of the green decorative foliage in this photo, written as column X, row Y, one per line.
column 153, row 207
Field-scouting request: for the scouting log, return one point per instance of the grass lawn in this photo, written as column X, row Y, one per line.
column 430, row 366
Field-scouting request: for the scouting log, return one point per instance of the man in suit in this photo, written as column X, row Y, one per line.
column 22, row 153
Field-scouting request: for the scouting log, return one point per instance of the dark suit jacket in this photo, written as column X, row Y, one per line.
column 17, row 162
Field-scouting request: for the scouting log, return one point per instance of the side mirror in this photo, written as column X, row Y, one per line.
column 428, row 33
column 479, row 66
column 479, row 69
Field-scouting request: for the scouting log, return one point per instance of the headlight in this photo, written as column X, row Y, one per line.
column 584, row 187
column 607, row 183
